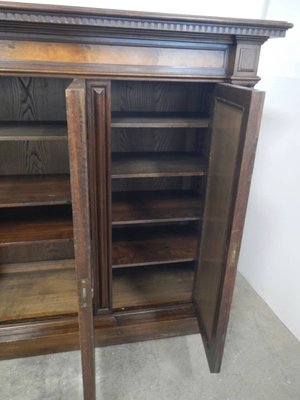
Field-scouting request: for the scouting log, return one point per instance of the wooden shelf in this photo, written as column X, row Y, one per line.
column 30, row 225
column 157, row 120
column 34, row 190
column 156, row 206
column 152, row 165
column 37, row 290
column 36, row 234
column 134, row 247
column 11, row 131
column 148, row 287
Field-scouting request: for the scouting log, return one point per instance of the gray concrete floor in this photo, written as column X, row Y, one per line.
column 261, row 362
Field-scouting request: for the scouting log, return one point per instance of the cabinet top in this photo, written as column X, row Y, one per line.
column 65, row 23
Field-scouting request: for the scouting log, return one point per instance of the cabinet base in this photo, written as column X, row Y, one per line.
column 51, row 336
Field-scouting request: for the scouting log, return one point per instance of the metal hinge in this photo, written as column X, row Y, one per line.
column 83, row 293
column 232, row 259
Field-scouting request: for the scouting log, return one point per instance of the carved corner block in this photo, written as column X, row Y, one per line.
column 244, row 62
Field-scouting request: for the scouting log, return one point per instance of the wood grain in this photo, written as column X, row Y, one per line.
column 35, row 224
column 158, row 140
column 162, row 206
column 10, row 131
column 156, row 97
column 78, row 145
column 61, row 334
column 156, row 184
column 235, row 125
column 99, row 150
column 37, row 292
column 160, row 121
column 34, row 157
column 35, row 234
column 134, row 247
column 151, row 165
column 33, row 99
column 152, row 286
column 34, row 190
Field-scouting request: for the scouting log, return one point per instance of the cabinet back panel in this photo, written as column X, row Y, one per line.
column 142, row 96
column 33, row 99
column 157, row 140
column 34, row 157
column 178, row 183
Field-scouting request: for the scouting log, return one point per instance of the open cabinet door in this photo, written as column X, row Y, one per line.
column 234, row 132
column 77, row 134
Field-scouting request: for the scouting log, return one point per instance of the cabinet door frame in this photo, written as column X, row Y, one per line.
column 223, row 219
column 77, row 137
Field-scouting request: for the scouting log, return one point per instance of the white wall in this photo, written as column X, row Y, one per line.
column 229, row 8
column 269, row 258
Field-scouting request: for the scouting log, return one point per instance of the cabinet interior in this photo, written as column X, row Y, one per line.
column 37, row 273
column 159, row 145
column 159, row 153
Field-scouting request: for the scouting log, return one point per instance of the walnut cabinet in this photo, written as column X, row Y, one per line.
column 127, row 143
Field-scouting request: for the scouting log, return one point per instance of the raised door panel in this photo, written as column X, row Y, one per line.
column 234, row 131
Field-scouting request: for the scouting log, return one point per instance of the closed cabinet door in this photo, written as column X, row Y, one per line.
column 234, row 130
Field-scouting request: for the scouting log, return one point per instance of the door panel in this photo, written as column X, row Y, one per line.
column 234, row 131
column 77, row 135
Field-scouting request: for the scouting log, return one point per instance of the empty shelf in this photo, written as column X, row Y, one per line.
column 33, row 190
column 37, row 290
column 33, row 131
column 36, row 234
column 20, row 225
column 148, row 287
column 151, row 165
column 134, row 247
column 158, row 120
column 155, row 206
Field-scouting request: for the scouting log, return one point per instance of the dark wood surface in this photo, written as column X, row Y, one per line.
column 149, row 97
column 152, row 286
column 158, row 206
column 36, row 234
column 33, row 99
column 153, row 245
column 99, row 150
column 175, row 183
column 149, row 140
column 160, row 121
column 10, row 131
column 37, row 157
column 34, row 190
column 30, row 225
column 78, row 147
column 37, row 290
column 151, row 165
column 38, row 42
column 43, row 337
column 235, row 126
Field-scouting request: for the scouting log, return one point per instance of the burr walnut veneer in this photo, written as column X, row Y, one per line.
column 127, row 144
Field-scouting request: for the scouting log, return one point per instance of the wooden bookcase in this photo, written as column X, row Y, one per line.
column 132, row 137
